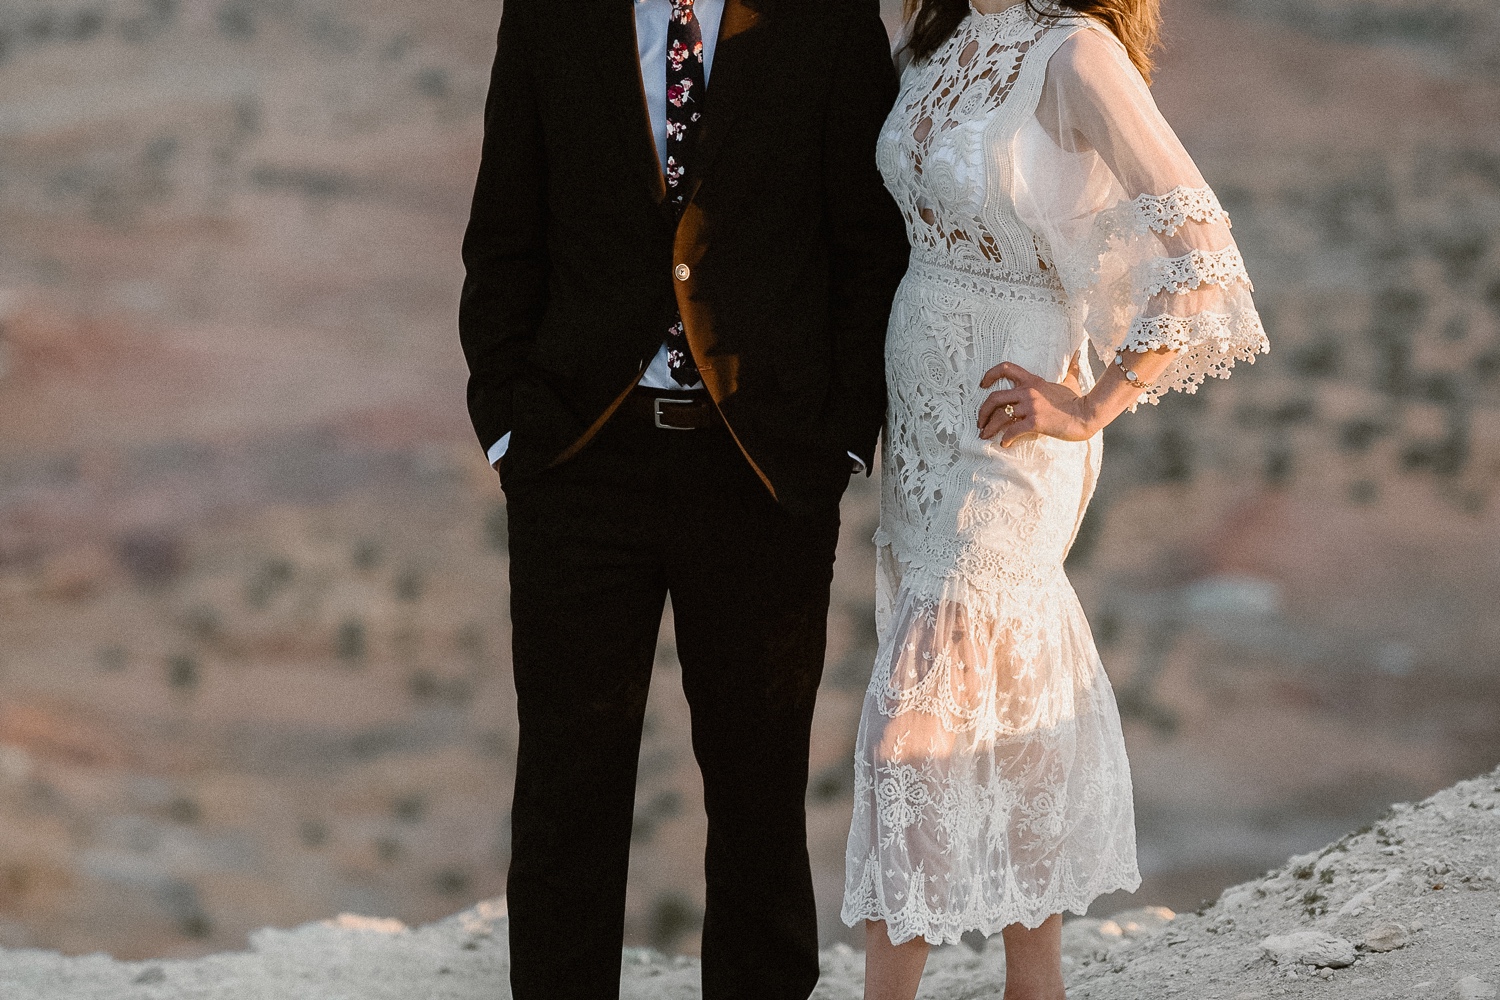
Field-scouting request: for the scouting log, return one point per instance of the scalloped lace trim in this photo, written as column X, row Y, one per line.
column 1208, row 345
column 1167, row 213
column 1178, row 333
column 914, row 917
column 1196, row 268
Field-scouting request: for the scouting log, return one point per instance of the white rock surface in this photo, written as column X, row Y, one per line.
column 1473, row 988
column 1317, row 948
column 1386, row 937
column 1427, row 867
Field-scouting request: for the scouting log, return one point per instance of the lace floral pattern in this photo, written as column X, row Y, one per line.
column 936, row 146
column 1194, row 269
column 991, row 782
column 991, row 787
column 1208, row 345
column 1167, row 213
column 1195, row 303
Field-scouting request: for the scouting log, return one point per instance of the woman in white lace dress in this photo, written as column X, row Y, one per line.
column 1053, row 215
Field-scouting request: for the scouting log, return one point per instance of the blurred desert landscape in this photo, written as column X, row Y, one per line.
column 253, row 630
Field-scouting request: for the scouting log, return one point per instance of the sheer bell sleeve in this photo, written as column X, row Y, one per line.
column 1139, row 241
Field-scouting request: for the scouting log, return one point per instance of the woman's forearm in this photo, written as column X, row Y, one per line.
column 1115, row 393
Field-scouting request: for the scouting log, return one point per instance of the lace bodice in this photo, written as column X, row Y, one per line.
column 1029, row 152
column 934, row 152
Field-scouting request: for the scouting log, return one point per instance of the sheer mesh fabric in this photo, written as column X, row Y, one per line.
column 992, row 787
column 1140, row 242
column 1047, row 205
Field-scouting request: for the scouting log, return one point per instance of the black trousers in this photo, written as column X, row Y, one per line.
column 596, row 545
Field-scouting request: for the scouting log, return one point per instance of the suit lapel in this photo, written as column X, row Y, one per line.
column 740, row 38
column 609, row 46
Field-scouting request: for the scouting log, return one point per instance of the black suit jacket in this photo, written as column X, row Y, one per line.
column 786, row 257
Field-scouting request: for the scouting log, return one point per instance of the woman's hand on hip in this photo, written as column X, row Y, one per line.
column 1032, row 406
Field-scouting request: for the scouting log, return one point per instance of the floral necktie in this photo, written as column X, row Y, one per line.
column 686, row 83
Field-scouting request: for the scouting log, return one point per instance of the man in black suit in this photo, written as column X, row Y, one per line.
column 675, row 359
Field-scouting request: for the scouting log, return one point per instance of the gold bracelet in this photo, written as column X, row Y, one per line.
column 1130, row 376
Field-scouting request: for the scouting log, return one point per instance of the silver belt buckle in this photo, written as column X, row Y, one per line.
column 656, row 411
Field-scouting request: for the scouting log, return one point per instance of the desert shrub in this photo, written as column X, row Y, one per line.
column 1440, row 388
column 409, row 808
column 183, row 809
column 1394, row 359
column 350, row 643
column 470, row 642
column 1174, row 456
column 672, row 915
column 1492, row 295
column 1460, row 254
column 451, row 881
column 831, row 784
column 182, row 672
column 203, row 623
column 271, row 578
column 1444, row 457
column 366, row 555
column 1319, row 359
column 152, row 558
column 647, row 817
column 496, row 528
column 433, row 82
column 1278, row 468
column 1399, row 309
column 409, row 584
column 236, row 21
column 1359, row 434
column 1106, row 627
column 1487, row 366
column 426, row 686
column 1293, row 411
column 312, row 833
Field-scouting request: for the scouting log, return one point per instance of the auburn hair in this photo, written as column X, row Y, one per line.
column 1136, row 23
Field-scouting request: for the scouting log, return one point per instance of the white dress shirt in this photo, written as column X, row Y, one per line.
column 652, row 18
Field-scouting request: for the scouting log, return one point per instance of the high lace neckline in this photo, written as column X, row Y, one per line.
column 1010, row 18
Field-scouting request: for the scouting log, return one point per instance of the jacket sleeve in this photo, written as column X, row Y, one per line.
column 866, row 236
column 505, row 247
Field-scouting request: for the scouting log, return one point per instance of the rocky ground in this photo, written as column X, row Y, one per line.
column 1404, row 910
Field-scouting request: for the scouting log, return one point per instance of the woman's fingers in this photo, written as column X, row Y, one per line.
column 1023, row 401
column 998, row 421
column 994, row 427
column 1008, row 369
column 1031, row 406
column 999, row 400
column 1017, row 429
column 993, row 407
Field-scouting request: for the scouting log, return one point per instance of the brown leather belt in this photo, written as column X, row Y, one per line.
column 673, row 411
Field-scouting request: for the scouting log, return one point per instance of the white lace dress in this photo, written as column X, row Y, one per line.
column 1049, row 207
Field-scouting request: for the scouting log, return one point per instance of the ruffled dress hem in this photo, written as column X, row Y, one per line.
column 952, row 932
